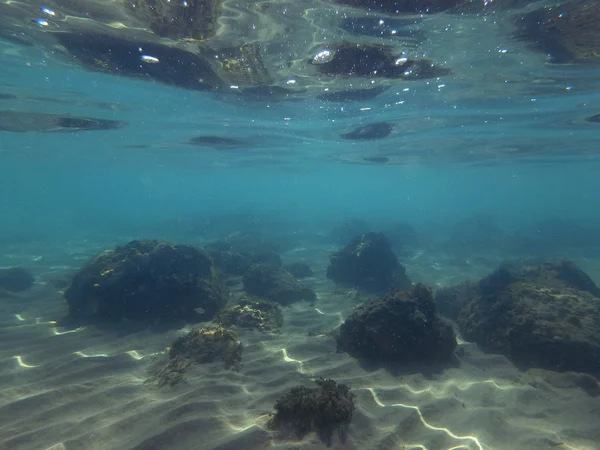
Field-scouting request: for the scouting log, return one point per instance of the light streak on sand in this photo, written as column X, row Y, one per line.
column 19, row 317
column 427, row 424
column 59, row 333
column 83, row 355
column 331, row 314
column 22, row 363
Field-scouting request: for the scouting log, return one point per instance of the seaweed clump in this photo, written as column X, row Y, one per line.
column 200, row 346
column 324, row 409
column 146, row 279
column 254, row 314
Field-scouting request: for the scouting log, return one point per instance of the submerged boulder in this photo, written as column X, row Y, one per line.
column 546, row 316
column 252, row 313
column 200, row 346
column 276, row 284
column 324, row 409
column 403, row 326
column 146, row 279
column 369, row 263
column 16, row 279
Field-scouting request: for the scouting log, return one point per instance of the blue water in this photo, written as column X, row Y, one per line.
column 504, row 136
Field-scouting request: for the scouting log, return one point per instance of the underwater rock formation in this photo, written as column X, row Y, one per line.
column 51, row 123
column 299, row 269
column 568, row 33
column 402, row 326
column 16, row 279
column 546, row 316
column 377, row 130
column 449, row 301
column 324, row 409
column 252, row 313
column 275, row 284
column 237, row 263
column 368, row 263
column 200, row 346
column 405, row 6
column 146, row 279
column 368, row 60
column 593, row 119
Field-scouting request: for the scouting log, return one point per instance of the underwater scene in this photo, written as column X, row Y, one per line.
column 299, row 225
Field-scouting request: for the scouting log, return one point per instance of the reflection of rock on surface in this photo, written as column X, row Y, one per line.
column 546, row 316
column 568, row 33
column 369, row 263
column 146, row 279
column 405, row 6
column 403, row 326
column 324, row 409
column 192, row 19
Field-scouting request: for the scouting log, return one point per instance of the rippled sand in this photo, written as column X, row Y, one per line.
column 82, row 387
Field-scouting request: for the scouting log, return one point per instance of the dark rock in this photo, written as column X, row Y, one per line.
column 568, row 33
column 275, row 284
column 200, row 346
column 146, row 279
column 51, row 123
column 367, row 60
column 402, row 326
column 390, row 28
column 251, row 313
column 16, row 279
column 299, row 269
column 369, row 263
column 544, row 316
column 234, row 263
column 377, row 130
column 324, row 409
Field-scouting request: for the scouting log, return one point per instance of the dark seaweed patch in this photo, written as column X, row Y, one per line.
column 377, row 130
column 143, row 60
column 23, row 122
column 217, row 142
column 377, row 159
column 593, row 119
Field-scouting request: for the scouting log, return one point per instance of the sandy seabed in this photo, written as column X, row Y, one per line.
column 84, row 387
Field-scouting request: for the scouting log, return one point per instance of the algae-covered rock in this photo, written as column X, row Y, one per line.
column 401, row 326
column 200, row 346
column 544, row 316
column 252, row 313
column 146, row 279
column 369, row 263
column 276, row 284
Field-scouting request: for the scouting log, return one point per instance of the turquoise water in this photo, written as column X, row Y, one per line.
column 507, row 135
